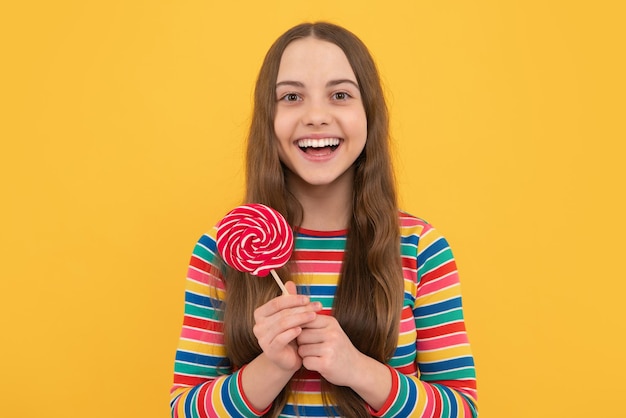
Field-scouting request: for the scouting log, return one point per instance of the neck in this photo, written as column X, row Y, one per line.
column 326, row 207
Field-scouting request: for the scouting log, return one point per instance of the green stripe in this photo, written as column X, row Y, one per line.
column 465, row 373
column 194, row 369
column 201, row 312
column 403, row 390
column 408, row 250
column 195, row 403
column 319, row 244
column 396, row 362
column 203, row 253
column 436, row 261
column 445, row 402
column 439, row 319
column 235, row 396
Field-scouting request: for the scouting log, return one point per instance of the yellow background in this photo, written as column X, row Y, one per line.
column 122, row 126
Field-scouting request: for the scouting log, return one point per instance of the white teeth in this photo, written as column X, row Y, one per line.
column 318, row 143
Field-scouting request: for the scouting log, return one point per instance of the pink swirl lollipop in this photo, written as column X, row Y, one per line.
column 255, row 239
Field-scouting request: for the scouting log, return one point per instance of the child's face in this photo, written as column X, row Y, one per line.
column 320, row 120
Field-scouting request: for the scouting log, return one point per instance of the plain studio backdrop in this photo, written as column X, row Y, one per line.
column 122, row 126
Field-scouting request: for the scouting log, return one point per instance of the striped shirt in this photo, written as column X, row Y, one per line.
column 433, row 371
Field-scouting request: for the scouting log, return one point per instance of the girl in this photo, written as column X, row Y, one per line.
column 373, row 323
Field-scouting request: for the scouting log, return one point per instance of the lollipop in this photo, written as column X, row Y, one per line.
column 255, row 239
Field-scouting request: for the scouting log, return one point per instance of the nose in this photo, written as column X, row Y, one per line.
column 316, row 113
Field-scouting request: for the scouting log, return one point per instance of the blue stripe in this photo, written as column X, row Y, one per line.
column 409, row 239
column 446, row 365
column 403, row 350
column 208, row 242
column 433, row 249
column 411, row 400
column 200, row 300
column 435, row 308
column 308, row 411
column 189, row 400
column 451, row 397
column 201, row 359
column 317, row 290
column 226, row 401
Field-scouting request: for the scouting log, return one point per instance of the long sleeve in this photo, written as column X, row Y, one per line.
column 432, row 368
column 204, row 383
column 436, row 377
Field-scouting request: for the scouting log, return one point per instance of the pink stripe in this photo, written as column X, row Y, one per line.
column 429, row 408
column 198, row 276
column 318, row 267
column 311, row 386
column 407, row 325
column 409, row 274
column 204, row 278
column 202, row 336
column 442, row 342
column 436, row 285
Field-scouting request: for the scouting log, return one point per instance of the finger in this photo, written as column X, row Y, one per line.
column 284, row 338
column 321, row 321
column 311, row 350
column 269, row 327
column 291, row 287
column 312, row 335
column 281, row 303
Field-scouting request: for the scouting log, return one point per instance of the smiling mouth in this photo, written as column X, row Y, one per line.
column 318, row 147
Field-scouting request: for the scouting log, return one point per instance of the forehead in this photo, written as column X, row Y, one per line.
column 313, row 58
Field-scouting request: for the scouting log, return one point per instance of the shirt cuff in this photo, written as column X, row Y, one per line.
column 395, row 382
column 245, row 399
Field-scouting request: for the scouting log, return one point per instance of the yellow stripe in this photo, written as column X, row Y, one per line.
column 205, row 290
column 428, row 238
column 318, row 279
column 314, row 399
column 202, row 348
column 439, row 296
column 407, row 338
column 412, row 230
column 421, row 396
column 217, row 399
column 444, row 354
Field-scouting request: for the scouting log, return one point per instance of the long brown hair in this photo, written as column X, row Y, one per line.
column 369, row 295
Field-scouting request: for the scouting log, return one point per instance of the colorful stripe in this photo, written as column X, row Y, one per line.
column 433, row 364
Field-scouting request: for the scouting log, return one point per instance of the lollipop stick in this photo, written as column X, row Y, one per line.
column 280, row 283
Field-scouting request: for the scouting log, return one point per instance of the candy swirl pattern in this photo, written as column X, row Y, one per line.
column 254, row 238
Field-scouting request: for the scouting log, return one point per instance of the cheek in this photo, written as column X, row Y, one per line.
column 358, row 125
column 283, row 124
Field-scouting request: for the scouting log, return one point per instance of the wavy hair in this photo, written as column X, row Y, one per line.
column 369, row 294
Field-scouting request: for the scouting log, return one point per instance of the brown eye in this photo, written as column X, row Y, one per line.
column 291, row 97
column 341, row 95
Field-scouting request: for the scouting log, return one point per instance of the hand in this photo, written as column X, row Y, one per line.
column 325, row 348
column 279, row 322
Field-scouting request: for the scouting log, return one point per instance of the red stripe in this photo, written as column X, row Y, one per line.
column 440, row 271
column 200, row 406
column 407, row 313
column 409, row 263
column 438, row 402
column 181, row 379
column 199, row 264
column 441, row 330
column 204, row 324
column 409, row 369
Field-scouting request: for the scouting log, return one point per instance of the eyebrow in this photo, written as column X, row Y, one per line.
column 331, row 83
